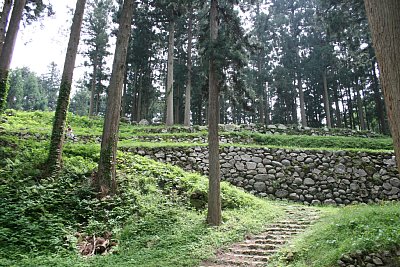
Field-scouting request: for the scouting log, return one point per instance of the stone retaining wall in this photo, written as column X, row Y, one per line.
column 311, row 177
column 266, row 129
column 363, row 258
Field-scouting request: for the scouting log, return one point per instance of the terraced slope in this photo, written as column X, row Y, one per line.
column 257, row 250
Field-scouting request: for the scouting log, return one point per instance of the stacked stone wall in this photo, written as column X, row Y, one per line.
column 308, row 176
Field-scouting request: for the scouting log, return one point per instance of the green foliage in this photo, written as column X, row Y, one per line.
column 153, row 217
column 80, row 101
column 366, row 228
column 4, row 88
column 321, row 142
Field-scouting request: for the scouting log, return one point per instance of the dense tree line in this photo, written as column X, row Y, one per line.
column 307, row 62
column 30, row 91
column 302, row 61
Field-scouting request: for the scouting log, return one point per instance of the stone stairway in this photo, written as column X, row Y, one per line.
column 257, row 250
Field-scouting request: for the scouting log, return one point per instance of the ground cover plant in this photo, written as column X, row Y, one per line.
column 158, row 214
column 39, row 123
column 345, row 231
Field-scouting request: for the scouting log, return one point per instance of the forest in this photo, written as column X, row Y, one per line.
column 294, row 62
column 203, row 133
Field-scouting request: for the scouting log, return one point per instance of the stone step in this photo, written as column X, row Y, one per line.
column 287, row 226
column 291, row 231
column 243, row 257
column 297, row 222
column 244, row 263
column 257, row 250
column 270, row 243
column 254, row 251
column 272, row 236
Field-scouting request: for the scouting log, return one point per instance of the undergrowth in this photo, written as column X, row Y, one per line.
column 158, row 214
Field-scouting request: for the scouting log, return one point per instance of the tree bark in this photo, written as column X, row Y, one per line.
column 93, row 89
column 105, row 180
column 169, row 121
column 326, row 101
column 189, row 70
column 384, row 21
column 214, row 191
column 57, row 136
column 4, row 21
column 8, row 50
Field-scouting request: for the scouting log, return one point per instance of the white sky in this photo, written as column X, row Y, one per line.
column 45, row 41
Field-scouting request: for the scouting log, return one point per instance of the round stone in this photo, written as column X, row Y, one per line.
column 309, row 181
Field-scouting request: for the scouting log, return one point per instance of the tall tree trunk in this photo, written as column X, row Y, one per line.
column 222, row 109
column 260, row 85
column 302, row 105
column 93, row 89
column 169, row 121
column 337, row 109
column 124, row 95
column 383, row 127
column 176, row 101
column 267, row 105
column 360, row 109
column 8, row 50
column 189, row 70
column 344, row 115
column 214, row 191
column 384, row 20
column 133, row 96
column 350, row 108
column 294, row 119
column 57, row 135
column 105, row 180
column 200, row 110
column 5, row 13
column 139, row 98
column 326, row 101
column 98, row 104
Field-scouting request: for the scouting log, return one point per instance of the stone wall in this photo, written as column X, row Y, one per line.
column 266, row 129
column 364, row 258
column 312, row 177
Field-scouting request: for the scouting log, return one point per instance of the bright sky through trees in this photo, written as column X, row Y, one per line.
column 44, row 41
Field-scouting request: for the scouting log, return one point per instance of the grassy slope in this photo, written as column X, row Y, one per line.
column 158, row 216
column 153, row 219
column 345, row 230
column 41, row 122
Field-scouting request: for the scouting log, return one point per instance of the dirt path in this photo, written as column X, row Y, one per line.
column 258, row 249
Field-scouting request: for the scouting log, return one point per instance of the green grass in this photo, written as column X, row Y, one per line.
column 345, row 230
column 41, row 122
column 336, row 142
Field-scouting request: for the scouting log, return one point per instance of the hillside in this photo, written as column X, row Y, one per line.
column 158, row 217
